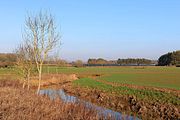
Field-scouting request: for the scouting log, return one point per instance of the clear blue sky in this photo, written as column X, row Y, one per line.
column 109, row 29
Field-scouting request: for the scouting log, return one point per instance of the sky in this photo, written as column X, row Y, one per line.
column 99, row 28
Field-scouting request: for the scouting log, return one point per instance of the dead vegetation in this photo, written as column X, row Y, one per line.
column 19, row 104
column 54, row 79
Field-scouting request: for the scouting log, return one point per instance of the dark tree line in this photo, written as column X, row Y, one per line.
column 171, row 58
column 129, row 61
column 101, row 61
column 7, row 59
column 137, row 61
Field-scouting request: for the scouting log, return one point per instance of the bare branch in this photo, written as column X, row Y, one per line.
column 42, row 37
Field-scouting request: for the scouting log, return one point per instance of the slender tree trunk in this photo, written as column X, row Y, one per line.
column 56, row 71
column 24, row 83
column 48, row 69
column 40, row 77
column 28, row 78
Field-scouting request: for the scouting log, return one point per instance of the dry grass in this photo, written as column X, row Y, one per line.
column 53, row 79
column 19, row 104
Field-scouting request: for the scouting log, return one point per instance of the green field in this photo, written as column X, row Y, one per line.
column 117, row 79
column 160, row 77
column 165, row 77
column 123, row 90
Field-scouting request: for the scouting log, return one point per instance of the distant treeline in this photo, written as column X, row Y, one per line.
column 7, row 59
column 137, row 61
column 100, row 61
column 57, row 62
column 123, row 62
column 171, row 58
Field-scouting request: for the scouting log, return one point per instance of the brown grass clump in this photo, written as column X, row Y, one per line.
column 19, row 104
column 54, row 79
column 10, row 83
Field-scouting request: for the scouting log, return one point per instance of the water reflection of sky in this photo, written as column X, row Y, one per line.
column 67, row 98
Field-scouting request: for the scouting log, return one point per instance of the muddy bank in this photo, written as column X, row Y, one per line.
column 126, row 104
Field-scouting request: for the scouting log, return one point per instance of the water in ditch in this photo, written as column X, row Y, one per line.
column 53, row 94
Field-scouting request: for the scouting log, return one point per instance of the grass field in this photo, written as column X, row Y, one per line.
column 121, row 80
column 123, row 90
column 165, row 77
column 146, row 79
column 160, row 77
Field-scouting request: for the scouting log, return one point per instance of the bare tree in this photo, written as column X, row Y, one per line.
column 24, row 62
column 42, row 36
